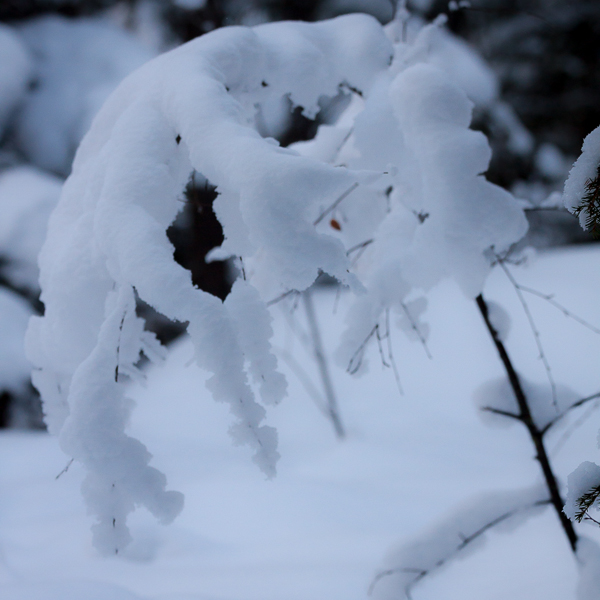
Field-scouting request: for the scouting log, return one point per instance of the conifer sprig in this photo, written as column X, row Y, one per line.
column 590, row 205
column 585, row 502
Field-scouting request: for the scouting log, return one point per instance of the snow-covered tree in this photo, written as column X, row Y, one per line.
column 388, row 200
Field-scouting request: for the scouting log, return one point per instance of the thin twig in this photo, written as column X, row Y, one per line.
column 359, row 246
column 465, row 541
column 416, row 329
column 535, row 434
column 550, row 299
column 571, row 430
column 391, row 352
column 319, row 354
column 359, row 353
column 534, row 329
column 281, row 297
column 588, row 517
column 336, row 203
column 565, row 412
column 503, row 413
column 65, row 469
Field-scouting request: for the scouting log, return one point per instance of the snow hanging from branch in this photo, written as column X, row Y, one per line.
column 189, row 109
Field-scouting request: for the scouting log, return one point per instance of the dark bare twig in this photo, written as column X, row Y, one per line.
column 281, row 297
column 588, row 517
column 336, row 203
column 359, row 246
column 535, row 434
column 65, row 469
column 503, row 413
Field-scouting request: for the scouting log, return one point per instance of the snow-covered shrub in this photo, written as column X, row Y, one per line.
column 398, row 178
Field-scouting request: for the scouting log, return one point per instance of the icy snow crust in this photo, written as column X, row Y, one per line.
column 400, row 170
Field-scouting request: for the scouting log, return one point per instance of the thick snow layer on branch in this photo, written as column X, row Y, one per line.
column 192, row 108
column 438, row 215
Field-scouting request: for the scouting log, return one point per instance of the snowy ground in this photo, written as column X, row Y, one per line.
column 322, row 529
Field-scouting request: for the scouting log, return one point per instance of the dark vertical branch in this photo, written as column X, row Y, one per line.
column 535, row 433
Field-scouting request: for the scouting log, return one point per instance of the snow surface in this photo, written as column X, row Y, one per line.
column 336, row 512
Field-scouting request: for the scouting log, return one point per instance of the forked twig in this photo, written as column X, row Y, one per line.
column 416, row 329
column 534, row 329
column 357, row 358
column 464, row 542
column 550, row 299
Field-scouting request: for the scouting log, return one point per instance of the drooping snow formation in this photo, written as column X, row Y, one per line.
column 399, row 176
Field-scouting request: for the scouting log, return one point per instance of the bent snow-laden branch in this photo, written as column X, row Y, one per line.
column 400, row 167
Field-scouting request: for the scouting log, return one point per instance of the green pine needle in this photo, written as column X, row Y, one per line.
column 585, row 502
column 590, row 205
